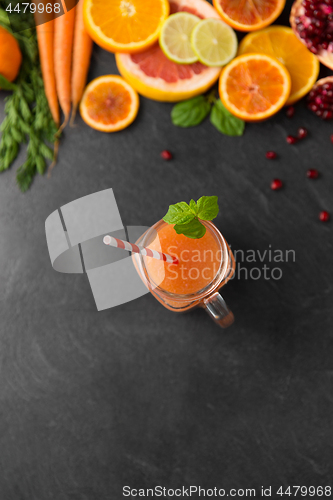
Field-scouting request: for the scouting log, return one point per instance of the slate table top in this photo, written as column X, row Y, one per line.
column 140, row 396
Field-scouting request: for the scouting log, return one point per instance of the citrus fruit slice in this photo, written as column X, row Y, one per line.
column 214, row 42
column 125, row 25
column 109, row 104
column 154, row 76
column 10, row 55
column 175, row 38
column 254, row 86
column 249, row 15
column 281, row 43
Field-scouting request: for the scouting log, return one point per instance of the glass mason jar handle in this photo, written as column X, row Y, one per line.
column 218, row 310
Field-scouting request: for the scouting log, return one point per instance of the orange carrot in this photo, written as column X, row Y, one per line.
column 63, row 45
column 81, row 58
column 45, row 38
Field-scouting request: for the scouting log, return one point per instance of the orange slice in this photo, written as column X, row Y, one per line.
column 109, row 104
column 254, row 86
column 125, row 25
column 281, row 43
column 249, row 15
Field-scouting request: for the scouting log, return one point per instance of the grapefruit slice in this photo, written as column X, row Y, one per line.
column 154, row 76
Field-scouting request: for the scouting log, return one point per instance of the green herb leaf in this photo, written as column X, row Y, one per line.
column 180, row 213
column 191, row 112
column 5, row 84
column 208, row 207
column 193, row 229
column 225, row 122
column 187, row 217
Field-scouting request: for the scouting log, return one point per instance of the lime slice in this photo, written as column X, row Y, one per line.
column 175, row 38
column 214, row 42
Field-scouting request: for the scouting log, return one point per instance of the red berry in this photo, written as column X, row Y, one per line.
column 166, row 155
column 271, row 155
column 290, row 111
column 291, row 139
column 324, row 216
column 312, row 173
column 302, row 133
column 276, row 184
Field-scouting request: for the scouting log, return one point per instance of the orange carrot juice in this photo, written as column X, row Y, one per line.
column 199, row 261
column 205, row 265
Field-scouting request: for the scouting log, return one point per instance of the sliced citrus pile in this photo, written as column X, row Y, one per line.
column 282, row 43
column 214, row 42
column 249, row 15
column 175, row 38
column 254, row 86
column 109, row 104
column 153, row 75
column 125, row 25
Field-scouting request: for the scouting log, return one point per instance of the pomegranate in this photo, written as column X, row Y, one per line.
column 166, row 155
column 324, row 216
column 276, row 184
column 290, row 111
column 271, row 155
column 320, row 99
column 312, row 22
column 291, row 139
column 312, row 173
column 302, row 133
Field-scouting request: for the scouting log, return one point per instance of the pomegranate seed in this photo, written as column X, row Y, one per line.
column 290, row 111
column 166, row 155
column 271, row 155
column 312, row 173
column 332, row 138
column 302, row 133
column 276, row 184
column 291, row 139
column 324, row 216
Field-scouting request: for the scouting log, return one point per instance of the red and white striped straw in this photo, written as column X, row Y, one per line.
column 131, row 247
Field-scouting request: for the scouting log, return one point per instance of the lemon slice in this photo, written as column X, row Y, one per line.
column 214, row 42
column 175, row 38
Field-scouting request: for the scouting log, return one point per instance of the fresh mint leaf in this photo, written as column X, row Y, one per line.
column 193, row 207
column 193, row 229
column 225, row 122
column 186, row 217
column 208, row 207
column 191, row 112
column 180, row 213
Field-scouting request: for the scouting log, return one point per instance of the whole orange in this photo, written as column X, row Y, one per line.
column 10, row 55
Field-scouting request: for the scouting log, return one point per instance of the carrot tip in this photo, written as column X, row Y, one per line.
column 74, row 110
column 55, row 158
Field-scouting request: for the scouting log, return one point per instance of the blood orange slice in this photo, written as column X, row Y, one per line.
column 154, row 76
column 249, row 15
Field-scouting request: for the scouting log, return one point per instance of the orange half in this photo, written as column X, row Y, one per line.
column 109, row 104
column 249, row 15
column 281, row 42
column 125, row 25
column 254, row 86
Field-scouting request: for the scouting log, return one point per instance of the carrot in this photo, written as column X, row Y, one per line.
column 63, row 44
column 45, row 38
column 81, row 58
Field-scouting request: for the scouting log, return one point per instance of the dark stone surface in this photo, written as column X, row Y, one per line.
column 140, row 396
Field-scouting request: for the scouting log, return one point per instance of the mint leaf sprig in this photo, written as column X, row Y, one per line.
column 186, row 217
column 193, row 111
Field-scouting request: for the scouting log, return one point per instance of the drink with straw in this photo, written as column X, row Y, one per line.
column 203, row 261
